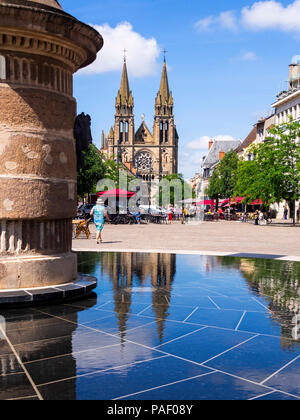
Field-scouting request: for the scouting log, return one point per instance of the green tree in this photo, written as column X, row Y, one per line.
column 223, row 181
column 93, row 170
column 167, row 193
column 112, row 173
column 274, row 175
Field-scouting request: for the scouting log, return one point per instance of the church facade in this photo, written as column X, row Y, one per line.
column 149, row 155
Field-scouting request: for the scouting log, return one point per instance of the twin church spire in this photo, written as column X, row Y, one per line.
column 124, row 100
column 164, row 100
column 151, row 155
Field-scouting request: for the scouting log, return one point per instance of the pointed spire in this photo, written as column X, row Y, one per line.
column 111, row 133
column 164, row 100
column 164, row 90
column 124, row 97
column 124, row 89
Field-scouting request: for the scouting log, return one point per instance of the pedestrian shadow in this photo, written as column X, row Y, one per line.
column 112, row 242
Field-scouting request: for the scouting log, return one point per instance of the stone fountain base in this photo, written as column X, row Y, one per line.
column 79, row 288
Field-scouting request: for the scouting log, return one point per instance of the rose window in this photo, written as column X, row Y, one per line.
column 144, row 162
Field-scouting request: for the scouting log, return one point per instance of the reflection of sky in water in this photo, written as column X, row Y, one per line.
column 173, row 285
column 154, row 323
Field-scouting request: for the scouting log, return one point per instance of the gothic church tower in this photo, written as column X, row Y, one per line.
column 164, row 130
column 150, row 155
column 124, row 119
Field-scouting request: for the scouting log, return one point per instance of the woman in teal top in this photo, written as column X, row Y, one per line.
column 99, row 213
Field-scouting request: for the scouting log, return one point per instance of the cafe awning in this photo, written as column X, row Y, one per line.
column 116, row 193
column 205, row 203
column 256, row 203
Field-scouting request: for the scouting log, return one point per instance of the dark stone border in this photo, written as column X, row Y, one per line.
column 80, row 288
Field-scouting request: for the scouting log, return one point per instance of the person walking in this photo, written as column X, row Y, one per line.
column 183, row 217
column 171, row 213
column 99, row 212
column 285, row 212
column 256, row 217
column 298, row 215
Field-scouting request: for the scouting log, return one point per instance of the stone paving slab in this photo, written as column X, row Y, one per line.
column 209, row 238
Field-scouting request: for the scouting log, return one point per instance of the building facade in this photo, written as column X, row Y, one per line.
column 217, row 151
column 257, row 135
column 287, row 106
column 151, row 155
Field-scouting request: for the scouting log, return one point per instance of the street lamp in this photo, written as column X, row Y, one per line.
column 150, row 183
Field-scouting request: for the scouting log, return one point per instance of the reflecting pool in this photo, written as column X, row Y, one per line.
column 161, row 327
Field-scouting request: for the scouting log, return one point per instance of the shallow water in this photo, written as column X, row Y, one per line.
column 161, row 327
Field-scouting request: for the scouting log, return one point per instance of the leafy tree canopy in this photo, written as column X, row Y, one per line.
column 224, row 178
column 274, row 173
column 93, row 170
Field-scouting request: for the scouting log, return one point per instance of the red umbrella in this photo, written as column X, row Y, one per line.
column 256, row 203
column 237, row 200
column 224, row 202
column 206, row 203
column 116, row 193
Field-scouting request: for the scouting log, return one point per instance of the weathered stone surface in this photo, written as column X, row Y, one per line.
column 38, row 272
column 41, row 47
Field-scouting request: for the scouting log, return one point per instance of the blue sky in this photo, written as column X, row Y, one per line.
column 227, row 61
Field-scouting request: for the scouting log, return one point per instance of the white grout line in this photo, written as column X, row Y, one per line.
column 195, row 310
column 261, row 304
column 228, row 350
column 218, row 307
column 182, row 336
column 140, row 326
column 181, row 358
column 22, row 398
column 22, row 365
column 70, row 354
column 253, row 382
column 144, row 310
column 103, row 370
column 163, row 386
column 279, row 370
column 262, row 395
column 243, row 316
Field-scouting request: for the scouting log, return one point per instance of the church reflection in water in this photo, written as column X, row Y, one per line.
column 138, row 272
column 56, row 342
column 277, row 282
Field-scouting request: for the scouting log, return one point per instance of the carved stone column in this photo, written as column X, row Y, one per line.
column 41, row 47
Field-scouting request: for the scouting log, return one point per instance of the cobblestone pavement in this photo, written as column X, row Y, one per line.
column 222, row 238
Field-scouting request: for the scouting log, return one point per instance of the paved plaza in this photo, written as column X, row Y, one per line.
column 217, row 238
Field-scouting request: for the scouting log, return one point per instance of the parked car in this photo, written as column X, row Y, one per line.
column 153, row 210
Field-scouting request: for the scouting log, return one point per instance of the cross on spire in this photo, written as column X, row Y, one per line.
column 125, row 51
column 165, row 52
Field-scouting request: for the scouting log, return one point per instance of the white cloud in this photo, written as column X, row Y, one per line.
column 249, row 56
column 203, row 142
column 191, row 158
column 225, row 20
column 261, row 15
column 142, row 53
column 272, row 15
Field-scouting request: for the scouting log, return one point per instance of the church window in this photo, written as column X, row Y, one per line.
column 121, row 131
column 2, row 68
column 144, row 162
column 167, row 131
column 161, row 132
column 126, row 130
